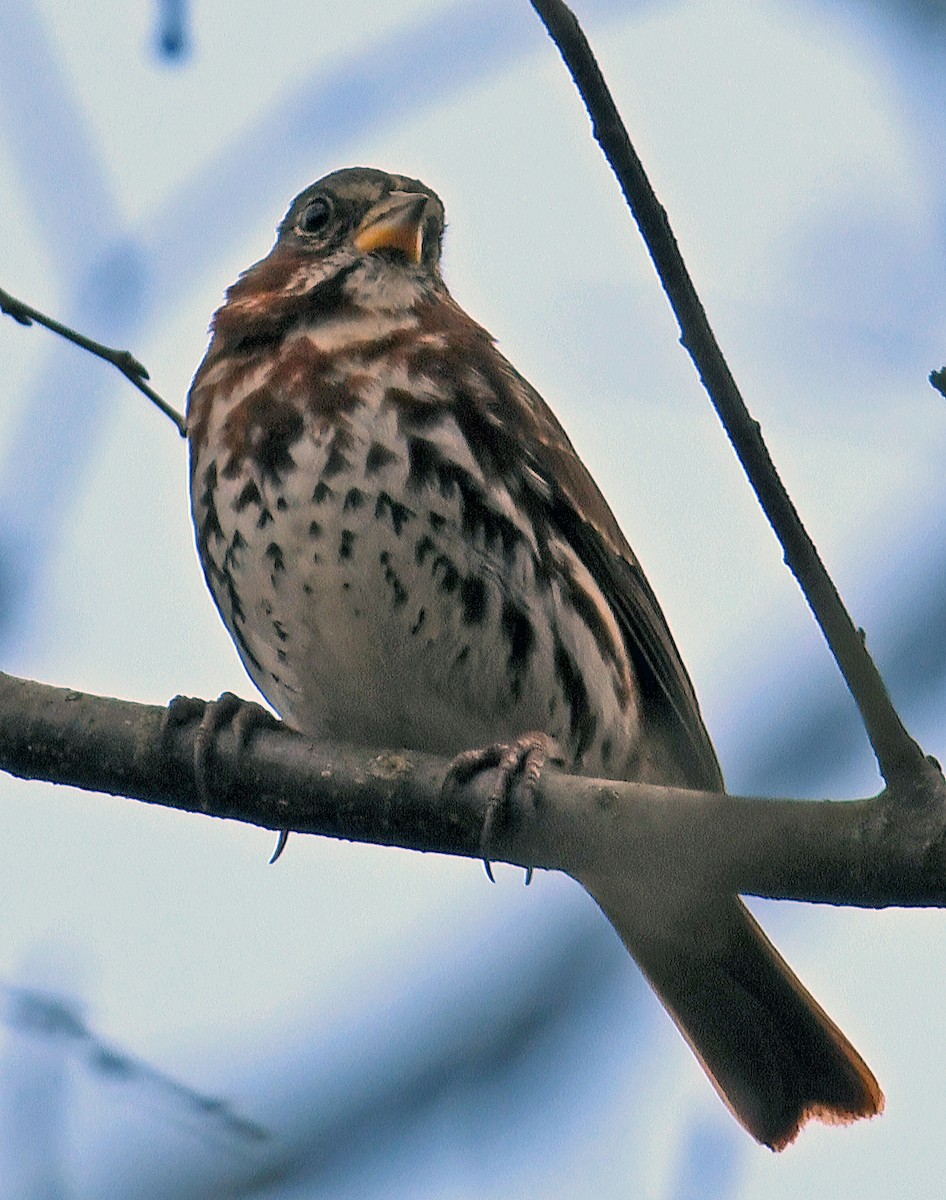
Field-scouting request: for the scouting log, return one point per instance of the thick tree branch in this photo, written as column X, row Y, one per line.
column 898, row 755
column 868, row 853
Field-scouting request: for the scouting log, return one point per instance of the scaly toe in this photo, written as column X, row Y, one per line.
column 522, row 759
column 217, row 714
column 213, row 716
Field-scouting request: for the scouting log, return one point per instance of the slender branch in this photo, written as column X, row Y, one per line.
column 868, row 853
column 897, row 753
column 129, row 366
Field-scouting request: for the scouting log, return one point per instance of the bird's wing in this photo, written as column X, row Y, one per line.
column 578, row 512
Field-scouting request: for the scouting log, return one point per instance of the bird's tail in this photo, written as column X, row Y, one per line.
column 775, row 1057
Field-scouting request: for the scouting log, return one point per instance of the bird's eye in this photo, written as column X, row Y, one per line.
column 316, row 215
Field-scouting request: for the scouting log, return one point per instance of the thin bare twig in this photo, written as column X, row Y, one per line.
column 898, row 755
column 129, row 366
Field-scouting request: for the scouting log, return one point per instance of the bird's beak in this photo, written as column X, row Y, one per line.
column 396, row 223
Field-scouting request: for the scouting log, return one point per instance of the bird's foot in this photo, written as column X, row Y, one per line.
column 520, row 760
column 243, row 716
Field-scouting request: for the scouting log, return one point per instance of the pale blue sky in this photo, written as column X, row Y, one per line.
column 799, row 151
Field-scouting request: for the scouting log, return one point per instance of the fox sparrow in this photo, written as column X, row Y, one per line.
column 408, row 552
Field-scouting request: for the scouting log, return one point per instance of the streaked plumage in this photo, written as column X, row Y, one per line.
column 407, row 551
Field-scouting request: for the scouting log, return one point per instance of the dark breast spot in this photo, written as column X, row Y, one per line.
column 400, row 595
column 414, row 410
column 275, row 555
column 337, row 460
column 473, row 597
column 262, row 429
column 210, row 526
column 378, row 457
column 326, row 398
column 346, row 544
column 354, row 498
column 398, row 513
column 423, row 461
column 449, row 575
column 233, row 599
column 520, row 634
column 425, row 546
column 231, row 560
column 249, row 495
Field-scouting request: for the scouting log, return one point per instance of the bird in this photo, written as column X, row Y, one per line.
column 408, row 552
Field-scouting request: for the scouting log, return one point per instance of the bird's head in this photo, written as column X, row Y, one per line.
column 359, row 241
column 360, row 212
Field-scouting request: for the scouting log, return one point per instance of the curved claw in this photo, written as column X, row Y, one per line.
column 280, row 845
